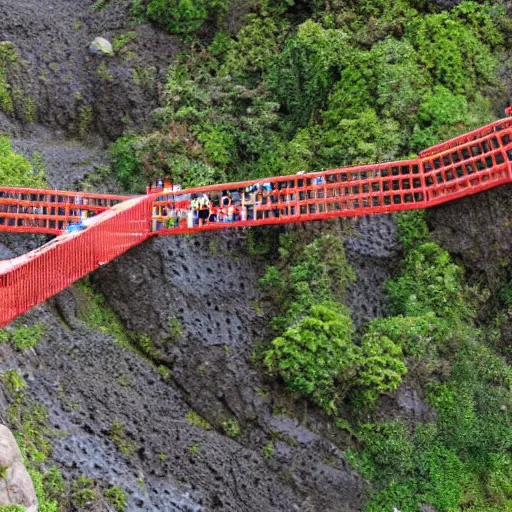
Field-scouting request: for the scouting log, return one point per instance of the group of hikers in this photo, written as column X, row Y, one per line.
column 180, row 209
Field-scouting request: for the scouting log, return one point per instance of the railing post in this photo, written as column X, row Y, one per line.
column 423, row 182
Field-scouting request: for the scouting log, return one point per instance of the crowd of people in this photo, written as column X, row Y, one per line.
column 181, row 209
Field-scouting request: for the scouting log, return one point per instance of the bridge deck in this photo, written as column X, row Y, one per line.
column 465, row 165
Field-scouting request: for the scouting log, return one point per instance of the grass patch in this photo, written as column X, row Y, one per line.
column 231, row 427
column 121, row 40
column 117, row 434
column 194, row 419
column 117, row 498
column 94, row 311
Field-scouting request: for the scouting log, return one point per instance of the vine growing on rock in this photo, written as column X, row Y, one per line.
column 16, row 170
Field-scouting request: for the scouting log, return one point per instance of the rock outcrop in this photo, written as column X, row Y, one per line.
column 16, row 487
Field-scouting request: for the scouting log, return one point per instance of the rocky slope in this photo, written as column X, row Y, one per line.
column 208, row 284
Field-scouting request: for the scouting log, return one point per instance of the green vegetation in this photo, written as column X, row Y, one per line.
column 85, row 115
column 12, row 508
column 117, row 497
column 83, row 491
column 14, row 382
column 194, row 419
column 315, row 352
column 231, row 427
column 8, row 55
column 121, row 40
column 268, row 450
column 103, row 73
column 95, row 312
column 298, row 85
column 30, row 423
column 292, row 85
column 175, row 328
column 459, row 461
column 117, row 434
column 16, row 170
column 194, row 448
column 26, row 336
column 316, row 356
column 181, row 16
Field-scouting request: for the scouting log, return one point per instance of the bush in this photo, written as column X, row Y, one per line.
column 412, row 228
column 117, row 497
column 418, row 336
column 231, row 427
column 317, row 357
column 309, row 65
column 15, row 170
column 318, row 272
column 430, row 282
column 24, row 337
column 127, row 164
column 382, row 366
column 184, row 16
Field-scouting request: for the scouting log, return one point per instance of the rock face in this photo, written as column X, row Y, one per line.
column 16, row 487
column 478, row 231
column 72, row 90
column 87, row 382
column 209, row 284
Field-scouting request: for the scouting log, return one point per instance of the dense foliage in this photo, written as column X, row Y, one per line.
column 275, row 87
column 461, row 460
column 17, row 171
column 314, row 351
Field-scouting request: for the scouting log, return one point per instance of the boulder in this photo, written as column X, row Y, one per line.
column 16, row 487
column 101, row 46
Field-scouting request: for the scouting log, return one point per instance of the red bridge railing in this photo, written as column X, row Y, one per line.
column 34, row 277
column 465, row 165
column 49, row 211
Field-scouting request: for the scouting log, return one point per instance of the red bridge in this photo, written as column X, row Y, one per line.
column 468, row 164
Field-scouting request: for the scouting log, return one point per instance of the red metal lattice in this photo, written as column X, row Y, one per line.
column 465, row 165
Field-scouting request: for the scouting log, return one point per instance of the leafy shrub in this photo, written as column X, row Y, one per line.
column 126, row 163
column 451, row 49
column 117, row 497
column 231, row 427
column 139, row 160
column 418, row 336
column 14, row 382
column 83, row 491
column 382, row 366
column 317, row 356
column 54, row 484
column 25, row 336
column 16, row 170
column 318, row 272
column 412, row 228
column 430, row 282
column 184, row 16
column 309, row 65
